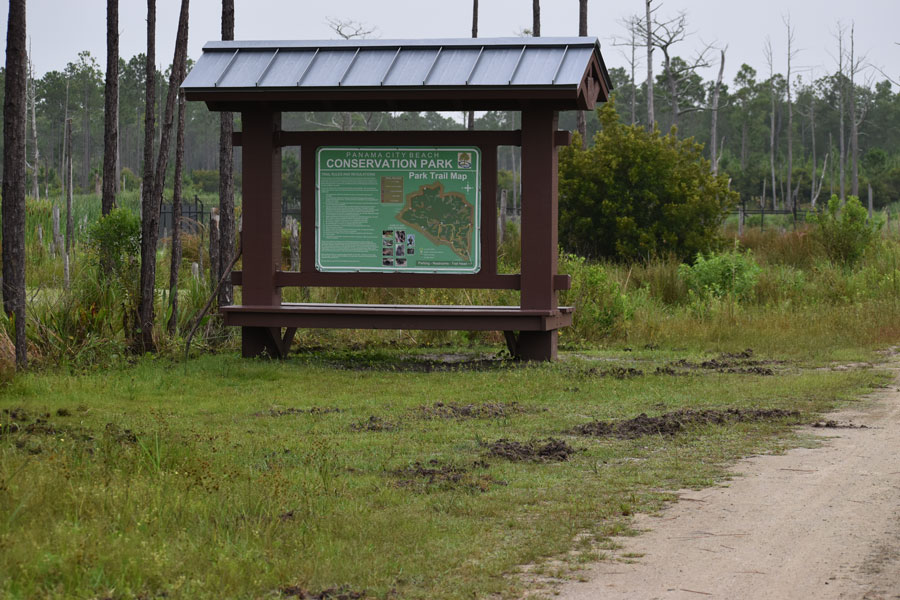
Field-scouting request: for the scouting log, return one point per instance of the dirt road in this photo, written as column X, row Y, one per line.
column 818, row 523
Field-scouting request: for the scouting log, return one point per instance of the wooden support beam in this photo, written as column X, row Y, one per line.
column 539, row 226
column 261, row 215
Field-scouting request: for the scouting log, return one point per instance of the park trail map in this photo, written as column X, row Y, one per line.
column 442, row 217
column 394, row 210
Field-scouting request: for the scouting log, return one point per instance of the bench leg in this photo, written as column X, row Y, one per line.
column 536, row 345
column 268, row 342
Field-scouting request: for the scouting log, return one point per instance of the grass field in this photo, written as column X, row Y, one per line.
column 372, row 473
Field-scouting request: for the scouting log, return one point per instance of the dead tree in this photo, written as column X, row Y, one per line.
column 771, row 62
column 791, row 53
column 580, row 121
column 226, row 174
column 471, row 116
column 32, row 102
column 13, row 205
column 150, row 227
column 648, row 39
column 839, row 34
column 635, row 29
column 175, row 263
column 713, row 137
column 857, row 114
column 110, row 108
column 664, row 35
column 70, row 218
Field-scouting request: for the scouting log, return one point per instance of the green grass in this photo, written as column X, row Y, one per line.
column 177, row 480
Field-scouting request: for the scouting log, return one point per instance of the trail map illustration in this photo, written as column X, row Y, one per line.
column 411, row 209
column 443, row 217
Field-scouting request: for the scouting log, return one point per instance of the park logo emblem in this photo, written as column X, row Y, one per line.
column 464, row 160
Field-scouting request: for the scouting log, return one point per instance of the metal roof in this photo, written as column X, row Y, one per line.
column 450, row 71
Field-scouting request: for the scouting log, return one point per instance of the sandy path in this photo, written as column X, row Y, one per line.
column 813, row 523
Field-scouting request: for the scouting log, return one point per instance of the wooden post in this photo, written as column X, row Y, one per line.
column 539, row 227
column 262, row 223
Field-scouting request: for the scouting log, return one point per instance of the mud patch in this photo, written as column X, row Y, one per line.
column 831, row 424
column 19, row 415
column 283, row 412
column 339, row 593
column 437, row 476
column 374, row 423
column 548, row 450
column 119, row 435
column 462, row 412
column 741, row 363
column 616, row 372
column 676, row 422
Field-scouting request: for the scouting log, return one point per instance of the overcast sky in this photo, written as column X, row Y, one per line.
column 59, row 29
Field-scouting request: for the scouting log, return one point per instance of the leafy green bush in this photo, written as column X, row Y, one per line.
column 636, row 194
column 733, row 273
column 114, row 244
column 844, row 233
column 600, row 305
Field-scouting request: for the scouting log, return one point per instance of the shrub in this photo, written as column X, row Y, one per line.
column 844, row 233
column 600, row 305
column 636, row 194
column 732, row 273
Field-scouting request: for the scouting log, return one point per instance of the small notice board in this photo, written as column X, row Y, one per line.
column 407, row 209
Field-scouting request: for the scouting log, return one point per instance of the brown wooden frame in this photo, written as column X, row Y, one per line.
column 531, row 328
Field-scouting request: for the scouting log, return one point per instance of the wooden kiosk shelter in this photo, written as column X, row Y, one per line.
column 262, row 79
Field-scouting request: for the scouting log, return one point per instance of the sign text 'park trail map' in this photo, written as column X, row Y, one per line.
column 408, row 209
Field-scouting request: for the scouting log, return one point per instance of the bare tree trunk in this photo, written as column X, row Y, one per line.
column 226, row 176
column 36, row 169
column 841, row 86
column 536, row 18
column 580, row 121
column 148, row 253
column 215, row 259
column 150, row 228
column 70, row 188
column 790, row 127
column 854, row 125
column 633, row 73
column 471, row 116
column 110, row 117
column 295, row 244
column 13, row 205
column 713, row 148
column 651, row 118
column 812, row 126
column 770, row 59
column 176, row 217
column 86, row 139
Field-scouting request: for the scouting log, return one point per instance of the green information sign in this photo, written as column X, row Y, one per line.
column 409, row 209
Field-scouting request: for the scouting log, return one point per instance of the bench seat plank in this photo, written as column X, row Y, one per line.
column 390, row 316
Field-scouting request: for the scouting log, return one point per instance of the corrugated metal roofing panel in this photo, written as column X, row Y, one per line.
column 493, row 64
column 286, row 69
column 538, row 66
column 369, row 67
column 327, row 67
column 411, row 67
column 572, row 68
column 207, row 70
column 452, row 67
column 245, row 69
